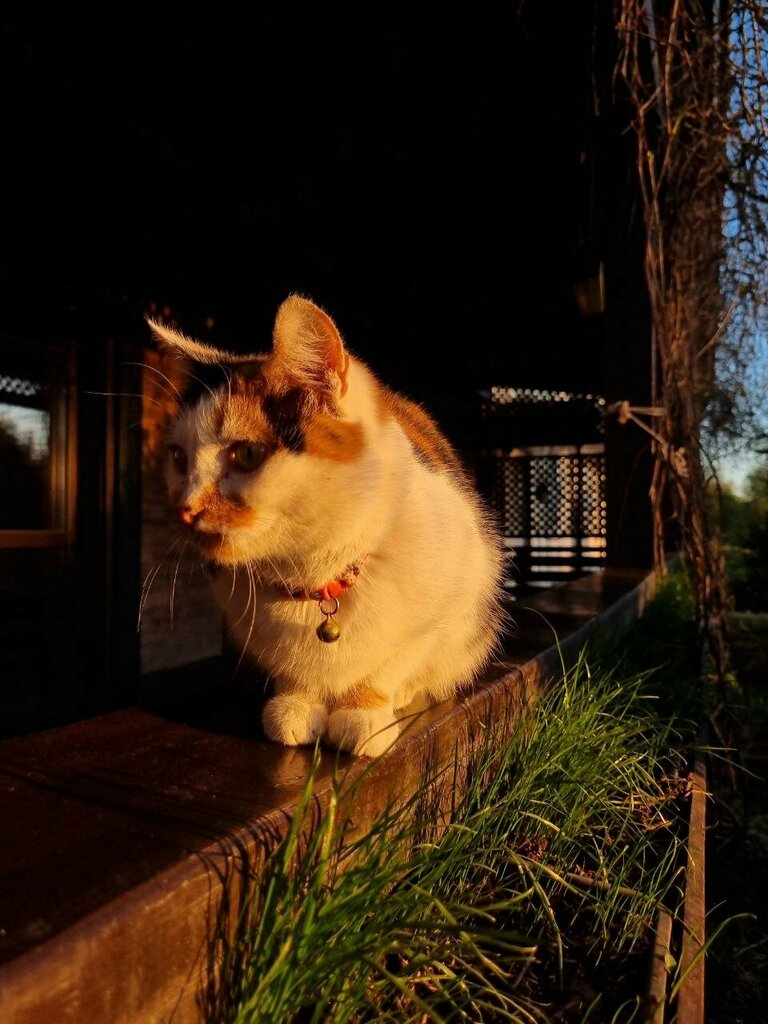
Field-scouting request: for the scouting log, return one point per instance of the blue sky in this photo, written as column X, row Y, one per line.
column 733, row 470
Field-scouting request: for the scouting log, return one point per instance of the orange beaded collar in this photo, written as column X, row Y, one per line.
column 330, row 590
column 328, row 594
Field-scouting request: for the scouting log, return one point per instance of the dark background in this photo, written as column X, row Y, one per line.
column 433, row 186
column 439, row 186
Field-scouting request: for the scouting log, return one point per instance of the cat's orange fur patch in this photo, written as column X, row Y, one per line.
column 421, row 430
column 240, row 417
column 219, row 512
column 361, row 696
column 329, row 438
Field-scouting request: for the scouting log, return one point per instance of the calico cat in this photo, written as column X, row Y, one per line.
column 357, row 566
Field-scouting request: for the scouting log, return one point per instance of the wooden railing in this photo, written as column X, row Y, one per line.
column 128, row 839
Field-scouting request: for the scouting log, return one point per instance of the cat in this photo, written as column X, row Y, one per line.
column 364, row 570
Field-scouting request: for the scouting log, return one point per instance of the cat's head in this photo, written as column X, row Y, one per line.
column 267, row 449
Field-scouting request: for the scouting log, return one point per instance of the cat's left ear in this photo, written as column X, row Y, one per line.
column 308, row 348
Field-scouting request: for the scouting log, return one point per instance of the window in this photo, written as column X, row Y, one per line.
column 35, row 442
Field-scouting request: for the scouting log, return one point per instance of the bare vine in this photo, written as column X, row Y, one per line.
column 694, row 73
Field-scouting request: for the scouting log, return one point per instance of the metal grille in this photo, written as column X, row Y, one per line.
column 508, row 495
column 543, row 468
column 551, row 494
column 16, row 386
column 593, row 496
column 551, row 504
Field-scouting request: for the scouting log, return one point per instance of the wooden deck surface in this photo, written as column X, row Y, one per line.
column 117, row 830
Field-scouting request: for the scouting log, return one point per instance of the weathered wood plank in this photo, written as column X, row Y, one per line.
column 130, row 839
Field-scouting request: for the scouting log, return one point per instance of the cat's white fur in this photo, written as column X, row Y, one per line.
column 424, row 614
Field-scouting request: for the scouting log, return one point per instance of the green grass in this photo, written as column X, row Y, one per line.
column 663, row 648
column 535, row 902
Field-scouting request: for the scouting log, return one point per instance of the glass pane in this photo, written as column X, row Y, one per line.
column 25, row 453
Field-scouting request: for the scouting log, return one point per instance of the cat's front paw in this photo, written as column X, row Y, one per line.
column 292, row 720
column 369, row 731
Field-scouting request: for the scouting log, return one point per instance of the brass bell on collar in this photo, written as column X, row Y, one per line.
column 328, row 631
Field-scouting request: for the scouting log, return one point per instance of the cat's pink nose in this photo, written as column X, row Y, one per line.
column 188, row 515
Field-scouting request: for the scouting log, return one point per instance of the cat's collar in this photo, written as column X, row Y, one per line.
column 328, row 595
column 330, row 590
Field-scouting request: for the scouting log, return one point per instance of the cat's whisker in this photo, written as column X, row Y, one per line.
column 175, row 539
column 228, row 375
column 253, row 621
column 241, row 563
column 251, row 593
column 151, row 576
column 154, row 369
column 124, row 394
column 145, row 594
column 297, row 578
column 207, row 387
column 146, row 586
column 173, row 585
column 281, row 578
column 234, row 583
column 251, row 597
column 295, row 567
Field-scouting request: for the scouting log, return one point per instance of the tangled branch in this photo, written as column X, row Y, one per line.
column 694, row 74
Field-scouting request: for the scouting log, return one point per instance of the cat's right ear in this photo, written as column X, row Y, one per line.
column 307, row 346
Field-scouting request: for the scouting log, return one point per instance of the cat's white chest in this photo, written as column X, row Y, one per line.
column 279, row 633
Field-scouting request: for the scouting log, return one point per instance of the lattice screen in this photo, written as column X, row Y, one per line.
column 551, row 506
column 544, row 471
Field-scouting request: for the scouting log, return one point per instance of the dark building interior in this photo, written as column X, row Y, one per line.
column 458, row 195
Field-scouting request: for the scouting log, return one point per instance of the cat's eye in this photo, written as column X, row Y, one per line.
column 247, row 455
column 178, row 458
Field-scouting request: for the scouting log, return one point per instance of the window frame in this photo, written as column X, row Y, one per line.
column 61, row 363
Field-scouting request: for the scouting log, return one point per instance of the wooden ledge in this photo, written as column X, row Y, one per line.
column 127, row 837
